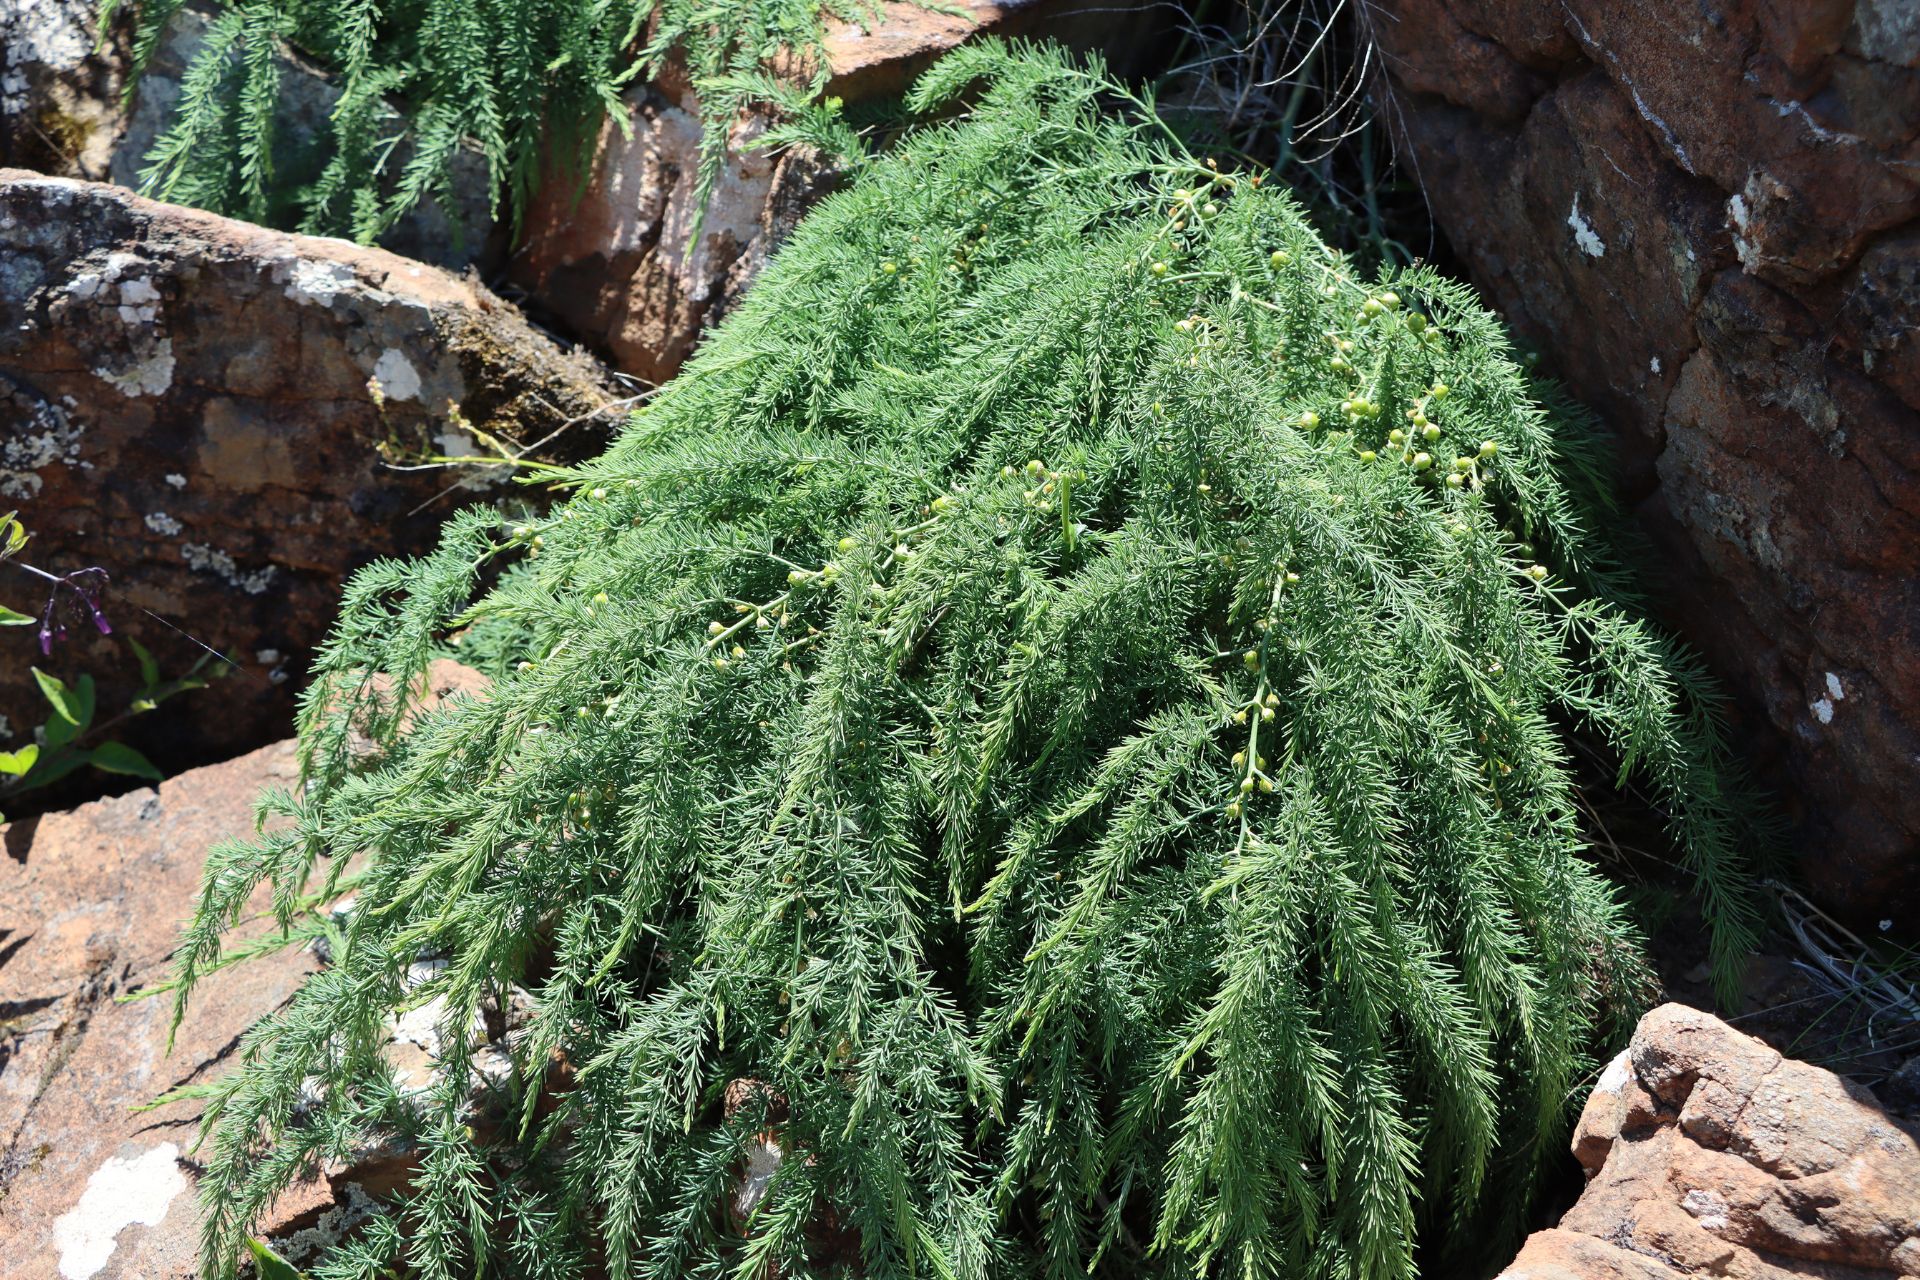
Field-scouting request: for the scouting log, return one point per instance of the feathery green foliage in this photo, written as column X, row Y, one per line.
column 1017, row 698
column 520, row 80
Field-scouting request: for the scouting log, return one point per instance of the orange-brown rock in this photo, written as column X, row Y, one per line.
column 217, row 415
column 91, row 906
column 1705, row 216
column 1709, row 1153
column 613, row 264
column 92, row 903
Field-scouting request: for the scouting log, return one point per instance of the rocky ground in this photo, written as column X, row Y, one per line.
column 1705, row 220
column 1705, row 1151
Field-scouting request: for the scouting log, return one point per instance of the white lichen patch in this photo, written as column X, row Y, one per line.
column 120, row 1194
column 1709, row 1208
column 1835, row 689
column 162, row 523
column 48, row 437
column 1617, row 1074
column 1822, row 709
column 45, row 33
column 318, row 283
column 148, row 377
column 1740, row 221
column 1584, row 237
column 456, row 443
column 332, row 1227
column 177, row 480
column 211, row 560
column 397, row 377
column 1653, row 366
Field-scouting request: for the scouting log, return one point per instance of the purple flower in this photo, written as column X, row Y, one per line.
column 72, row 595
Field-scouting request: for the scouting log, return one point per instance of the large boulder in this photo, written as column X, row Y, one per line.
column 615, row 261
column 1705, row 216
column 1707, row 1152
column 229, row 421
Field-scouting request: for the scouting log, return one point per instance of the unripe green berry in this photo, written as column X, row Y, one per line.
column 1421, row 461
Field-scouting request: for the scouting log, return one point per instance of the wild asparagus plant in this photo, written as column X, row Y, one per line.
column 1070, row 692
column 518, row 82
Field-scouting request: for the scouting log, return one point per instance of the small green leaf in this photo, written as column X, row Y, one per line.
column 8, row 618
column 18, row 762
column 56, row 692
column 54, row 763
column 83, row 701
column 118, row 757
column 58, row 731
column 270, row 1265
column 149, row 669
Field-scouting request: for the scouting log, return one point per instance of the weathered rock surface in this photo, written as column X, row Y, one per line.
column 612, row 263
column 1706, row 216
column 208, row 410
column 92, row 903
column 1708, row 1153
column 65, row 111
column 59, row 98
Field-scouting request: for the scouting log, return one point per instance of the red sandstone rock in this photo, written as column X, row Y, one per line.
column 207, row 410
column 1708, row 1153
column 1706, row 217
column 93, row 901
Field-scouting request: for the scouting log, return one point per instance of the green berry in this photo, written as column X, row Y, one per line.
column 1421, row 461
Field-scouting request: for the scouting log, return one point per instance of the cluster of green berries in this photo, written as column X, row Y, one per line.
column 1046, row 485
